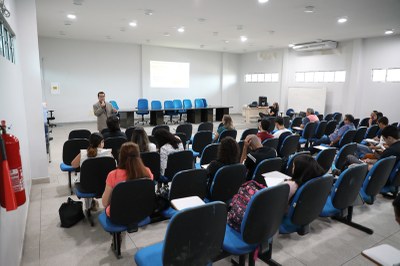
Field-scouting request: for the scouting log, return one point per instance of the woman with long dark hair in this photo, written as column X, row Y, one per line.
column 168, row 144
column 139, row 136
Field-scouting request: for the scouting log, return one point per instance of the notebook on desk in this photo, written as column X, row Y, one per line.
column 187, row 202
column 274, row 178
column 372, row 141
column 384, row 254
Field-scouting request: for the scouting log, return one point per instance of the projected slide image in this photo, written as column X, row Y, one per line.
column 169, row 74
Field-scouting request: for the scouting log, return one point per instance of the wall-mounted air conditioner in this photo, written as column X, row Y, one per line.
column 315, row 46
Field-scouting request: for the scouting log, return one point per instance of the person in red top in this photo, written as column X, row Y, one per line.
column 263, row 126
column 130, row 167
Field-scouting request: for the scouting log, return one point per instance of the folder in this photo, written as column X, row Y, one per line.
column 187, row 202
column 384, row 254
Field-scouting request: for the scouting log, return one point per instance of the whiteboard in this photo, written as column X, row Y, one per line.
column 302, row 98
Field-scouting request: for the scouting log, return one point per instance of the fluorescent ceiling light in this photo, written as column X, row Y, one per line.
column 243, row 38
column 309, row 9
column 291, row 45
column 263, row 1
column 342, row 20
column 71, row 16
column 133, row 24
column 181, row 29
column 389, row 32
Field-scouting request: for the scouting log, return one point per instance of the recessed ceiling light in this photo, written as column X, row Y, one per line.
column 389, row 32
column 291, row 45
column 148, row 12
column 181, row 29
column 309, row 9
column 342, row 20
column 166, row 34
column 243, row 38
column 263, row 1
column 133, row 23
column 71, row 16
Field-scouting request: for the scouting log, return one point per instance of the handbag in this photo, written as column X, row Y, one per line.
column 70, row 212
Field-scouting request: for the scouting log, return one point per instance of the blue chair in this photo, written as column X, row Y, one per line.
column 289, row 165
column 209, row 154
column 371, row 132
column 343, row 195
column 266, row 166
column 178, row 161
column 199, row 103
column 341, row 157
column 319, row 131
column 360, row 133
column 248, row 131
column 393, row 183
column 337, row 116
column 140, row 196
column 71, row 149
column 307, row 134
column 376, row 179
column 187, row 104
column 306, row 204
column 204, row 102
column 364, row 122
column 156, row 105
column 272, row 143
column 290, row 113
column 227, row 133
column 296, row 122
column 143, row 108
column 289, row 146
column 194, row 237
column 79, row 134
column 114, row 104
column 200, row 140
column 260, row 222
column 325, row 158
column 179, row 107
column 170, row 110
column 328, row 117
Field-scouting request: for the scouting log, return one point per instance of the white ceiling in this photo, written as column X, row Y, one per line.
column 272, row 25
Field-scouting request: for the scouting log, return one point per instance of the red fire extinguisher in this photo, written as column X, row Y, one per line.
column 14, row 163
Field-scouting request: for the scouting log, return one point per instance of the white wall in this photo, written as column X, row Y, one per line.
column 20, row 105
column 230, row 82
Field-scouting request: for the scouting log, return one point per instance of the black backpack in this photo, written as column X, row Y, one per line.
column 70, row 213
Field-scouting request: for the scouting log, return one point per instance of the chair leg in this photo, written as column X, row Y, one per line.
column 267, row 256
column 69, row 182
column 89, row 217
column 116, row 245
column 348, row 220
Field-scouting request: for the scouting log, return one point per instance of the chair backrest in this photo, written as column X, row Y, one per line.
column 248, row 131
column 186, row 183
column 394, row 177
column 330, row 127
column 264, row 214
column 289, row 145
column 320, row 116
column 79, row 134
column 209, row 153
column 341, row 157
column 325, row 158
column 204, row 102
column 282, row 137
column 309, row 130
column 356, row 122
column 186, row 128
column 273, row 143
column 152, row 161
column 143, row 106
column 320, row 129
column 168, row 104
column 360, row 133
column 129, row 132
column 200, row 140
column 309, row 200
column 178, row 161
column 94, row 173
column 177, row 104
column 296, row 122
column 72, row 148
column 286, row 121
column 156, row 105
column 371, row 132
column 198, row 103
column 138, row 196
column 347, row 137
column 227, row 181
column 378, row 175
column 266, row 166
column 183, row 138
column 227, row 133
column 205, row 126
column 166, row 127
column 195, row 235
column 328, row 117
column 289, row 166
column 114, row 143
column 346, row 188
column 187, row 103
column 337, row 116
column 114, row 104
column 241, row 144
column 364, row 122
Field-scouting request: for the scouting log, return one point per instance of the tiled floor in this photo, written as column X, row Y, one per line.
column 46, row 243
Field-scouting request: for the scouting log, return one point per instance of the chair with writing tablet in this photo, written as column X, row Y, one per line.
column 296, row 122
column 356, row 122
column 209, row 154
column 371, row 132
column 330, row 127
column 186, row 183
column 186, row 128
column 289, row 165
column 200, row 140
column 393, row 183
column 289, row 146
column 178, row 161
column 360, row 133
column 344, row 192
column 364, row 122
column 272, row 143
column 328, row 117
column 248, row 131
column 347, row 137
column 325, row 158
column 319, row 131
column 266, row 166
column 376, row 179
column 79, row 134
column 194, row 237
column 337, row 116
column 307, row 134
column 114, row 143
column 152, row 161
column 306, row 205
column 227, row 133
column 341, row 157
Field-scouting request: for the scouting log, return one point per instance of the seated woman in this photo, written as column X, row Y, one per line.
column 373, row 118
column 227, row 124
column 95, row 149
column 273, row 110
column 305, row 168
column 139, row 136
column 228, row 153
column 130, row 167
column 168, row 144
column 113, row 129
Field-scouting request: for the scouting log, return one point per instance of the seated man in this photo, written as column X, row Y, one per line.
column 310, row 117
column 363, row 149
column 280, row 127
column 263, row 126
column 256, row 154
column 334, row 138
column 113, row 129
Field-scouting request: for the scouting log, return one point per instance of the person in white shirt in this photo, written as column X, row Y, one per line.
column 280, row 127
column 168, row 144
column 139, row 136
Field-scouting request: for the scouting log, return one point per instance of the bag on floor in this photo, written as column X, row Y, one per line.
column 70, row 213
column 239, row 203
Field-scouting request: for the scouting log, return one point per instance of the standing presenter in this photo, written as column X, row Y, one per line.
column 102, row 110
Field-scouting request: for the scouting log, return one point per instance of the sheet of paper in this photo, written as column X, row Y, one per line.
column 385, row 255
column 274, row 178
column 187, row 202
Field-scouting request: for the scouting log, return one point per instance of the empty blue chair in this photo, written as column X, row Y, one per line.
column 187, row 104
column 143, row 108
column 204, row 102
column 156, row 105
column 170, row 109
column 179, row 108
column 198, row 103
column 307, row 134
column 114, row 104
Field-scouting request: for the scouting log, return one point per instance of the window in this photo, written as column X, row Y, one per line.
column 320, row 76
column 329, row 76
column 274, row 77
column 300, row 77
column 393, row 75
column 7, row 40
column 340, row 76
column 268, row 77
column 309, row 76
column 261, row 77
column 378, row 75
column 247, row 78
column 254, row 77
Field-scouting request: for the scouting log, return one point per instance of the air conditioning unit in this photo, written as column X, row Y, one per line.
column 315, row 46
